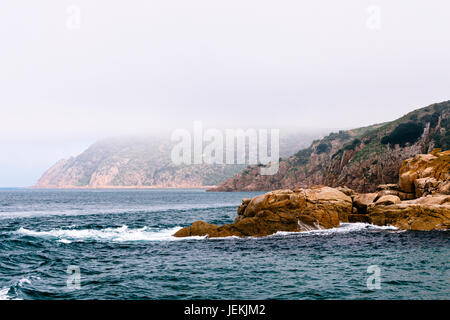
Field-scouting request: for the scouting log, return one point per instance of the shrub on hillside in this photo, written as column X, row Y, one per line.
column 352, row 145
column 433, row 119
column 442, row 140
column 404, row 133
column 323, row 148
column 302, row 156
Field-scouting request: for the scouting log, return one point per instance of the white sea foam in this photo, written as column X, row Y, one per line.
column 108, row 234
column 4, row 294
column 24, row 281
column 65, row 241
column 343, row 228
column 125, row 234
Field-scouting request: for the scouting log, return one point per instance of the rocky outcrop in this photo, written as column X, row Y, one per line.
column 322, row 207
column 362, row 201
column 423, row 187
column 387, row 200
column 360, row 159
column 426, row 213
column 281, row 210
column 426, row 174
column 426, row 177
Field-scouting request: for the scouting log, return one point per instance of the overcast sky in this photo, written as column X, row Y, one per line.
column 72, row 72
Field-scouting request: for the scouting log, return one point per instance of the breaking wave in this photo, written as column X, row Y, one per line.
column 4, row 294
column 121, row 234
column 343, row 228
column 11, row 293
column 125, row 234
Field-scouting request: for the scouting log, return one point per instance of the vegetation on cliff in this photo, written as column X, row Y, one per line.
column 359, row 158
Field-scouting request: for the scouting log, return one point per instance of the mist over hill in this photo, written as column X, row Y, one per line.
column 144, row 161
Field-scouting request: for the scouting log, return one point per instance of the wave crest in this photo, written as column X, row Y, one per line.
column 121, row 234
column 125, row 234
column 343, row 228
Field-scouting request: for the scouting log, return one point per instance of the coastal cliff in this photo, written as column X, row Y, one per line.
column 145, row 161
column 420, row 201
column 361, row 158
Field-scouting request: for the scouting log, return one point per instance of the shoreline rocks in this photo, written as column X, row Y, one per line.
column 281, row 210
column 322, row 207
column 414, row 215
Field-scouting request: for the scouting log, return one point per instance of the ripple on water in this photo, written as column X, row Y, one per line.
column 131, row 253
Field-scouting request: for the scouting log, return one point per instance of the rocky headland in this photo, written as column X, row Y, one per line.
column 419, row 201
column 360, row 159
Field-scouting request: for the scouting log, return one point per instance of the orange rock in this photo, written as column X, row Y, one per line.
column 281, row 210
column 412, row 216
column 387, row 200
column 426, row 173
column 363, row 200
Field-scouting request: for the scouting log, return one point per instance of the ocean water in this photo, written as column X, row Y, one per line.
column 121, row 242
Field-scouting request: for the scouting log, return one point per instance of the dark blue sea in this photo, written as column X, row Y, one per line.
column 118, row 244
